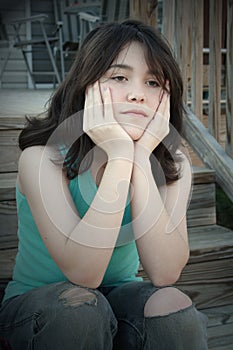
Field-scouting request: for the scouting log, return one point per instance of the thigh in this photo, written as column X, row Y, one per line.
column 130, row 298
column 127, row 302
column 55, row 314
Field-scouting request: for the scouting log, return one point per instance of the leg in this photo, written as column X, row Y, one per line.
column 173, row 323
column 58, row 316
column 156, row 318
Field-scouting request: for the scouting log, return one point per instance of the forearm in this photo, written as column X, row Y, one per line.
column 92, row 241
column 163, row 249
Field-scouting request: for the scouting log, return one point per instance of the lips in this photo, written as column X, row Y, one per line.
column 135, row 113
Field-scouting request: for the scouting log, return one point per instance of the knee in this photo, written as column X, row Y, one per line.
column 166, row 301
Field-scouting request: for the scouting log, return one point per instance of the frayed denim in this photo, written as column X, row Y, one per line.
column 63, row 316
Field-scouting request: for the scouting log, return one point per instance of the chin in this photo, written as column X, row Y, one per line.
column 134, row 133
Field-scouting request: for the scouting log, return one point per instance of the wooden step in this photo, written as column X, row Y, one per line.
column 220, row 327
column 208, row 276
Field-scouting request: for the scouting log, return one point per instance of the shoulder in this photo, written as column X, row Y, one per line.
column 33, row 162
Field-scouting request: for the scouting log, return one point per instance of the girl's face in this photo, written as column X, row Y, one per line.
column 135, row 92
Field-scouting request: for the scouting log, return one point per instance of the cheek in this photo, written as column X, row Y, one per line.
column 154, row 101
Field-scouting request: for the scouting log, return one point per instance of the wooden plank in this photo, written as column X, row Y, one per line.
column 9, row 150
column 12, row 122
column 7, row 262
column 168, row 22
column 7, row 186
column 219, row 315
column 8, row 242
column 215, row 67
column 183, row 39
column 229, row 82
column 8, row 218
column 209, row 151
column 197, row 57
column 220, row 325
column 210, row 242
column 221, row 337
column 201, row 210
column 203, row 175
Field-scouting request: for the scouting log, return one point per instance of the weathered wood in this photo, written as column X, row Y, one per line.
column 208, row 276
column 201, row 210
column 220, row 325
column 183, row 40
column 7, row 186
column 215, row 67
column 221, row 337
column 146, row 11
column 209, row 151
column 11, row 122
column 197, row 57
column 203, row 175
column 168, row 23
column 7, row 262
column 8, row 218
column 9, row 150
column 229, row 80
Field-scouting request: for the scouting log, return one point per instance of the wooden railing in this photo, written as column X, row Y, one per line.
column 201, row 36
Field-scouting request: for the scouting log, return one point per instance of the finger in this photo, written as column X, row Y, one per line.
column 88, row 109
column 98, row 111
column 97, row 94
column 164, row 107
column 108, row 107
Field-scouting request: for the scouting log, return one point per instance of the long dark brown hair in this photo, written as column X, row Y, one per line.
column 93, row 59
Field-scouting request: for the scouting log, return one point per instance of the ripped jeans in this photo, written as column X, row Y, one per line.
column 63, row 316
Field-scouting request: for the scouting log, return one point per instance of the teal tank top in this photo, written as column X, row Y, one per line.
column 34, row 266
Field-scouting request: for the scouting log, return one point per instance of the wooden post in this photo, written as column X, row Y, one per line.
column 209, row 151
column 229, row 82
column 145, row 11
column 197, row 58
column 168, row 22
column 183, row 40
column 215, row 68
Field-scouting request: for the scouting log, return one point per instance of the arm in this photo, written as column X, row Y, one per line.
column 81, row 248
column 159, row 215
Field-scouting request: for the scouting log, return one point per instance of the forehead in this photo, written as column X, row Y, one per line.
column 132, row 53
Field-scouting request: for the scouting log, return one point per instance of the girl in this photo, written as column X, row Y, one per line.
column 103, row 181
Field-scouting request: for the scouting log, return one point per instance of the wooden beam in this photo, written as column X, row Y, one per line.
column 183, row 40
column 229, row 82
column 197, row 58
column 168, row 22
column 145, row 11
column 209, row 151
column 215, row 67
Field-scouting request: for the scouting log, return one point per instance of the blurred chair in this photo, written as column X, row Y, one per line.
column 49, row 43
column 67, row 11
column 110, row 11
column 6, row 47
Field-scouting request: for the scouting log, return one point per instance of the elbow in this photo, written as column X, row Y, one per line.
column 166, row 279
column 86, row 281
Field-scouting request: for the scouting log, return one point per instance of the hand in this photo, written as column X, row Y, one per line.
column 158, row 128
column 99, row 122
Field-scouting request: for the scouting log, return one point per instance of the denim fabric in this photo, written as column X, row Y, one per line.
column 63, row 316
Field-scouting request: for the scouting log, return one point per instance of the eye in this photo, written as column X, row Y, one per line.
column 152, row 83
column 119, row 78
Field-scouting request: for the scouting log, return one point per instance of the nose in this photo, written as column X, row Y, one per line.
column 136, row 97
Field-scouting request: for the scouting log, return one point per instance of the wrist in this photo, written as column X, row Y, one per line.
column 141, row 153
column 123, row 150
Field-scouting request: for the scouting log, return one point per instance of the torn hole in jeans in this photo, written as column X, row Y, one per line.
column 76, row 296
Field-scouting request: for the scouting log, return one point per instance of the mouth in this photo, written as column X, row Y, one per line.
column 135, row 113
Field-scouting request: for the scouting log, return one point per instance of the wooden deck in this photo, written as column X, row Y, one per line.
column 208, row 276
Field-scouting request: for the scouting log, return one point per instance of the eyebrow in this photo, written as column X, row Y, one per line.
column 125, row 66
column 122, row 66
